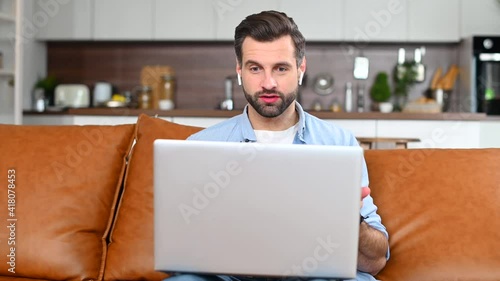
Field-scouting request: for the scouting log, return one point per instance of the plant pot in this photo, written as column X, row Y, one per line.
column 385, row 107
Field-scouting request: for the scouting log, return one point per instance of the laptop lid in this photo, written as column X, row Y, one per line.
column 256, row 209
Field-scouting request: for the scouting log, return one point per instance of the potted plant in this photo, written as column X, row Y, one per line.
column 380, row 93
column 47, row 85
column 404, row 78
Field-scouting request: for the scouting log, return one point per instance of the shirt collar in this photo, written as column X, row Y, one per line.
column 249, row 135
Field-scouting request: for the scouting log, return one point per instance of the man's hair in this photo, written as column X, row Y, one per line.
column 268, row 26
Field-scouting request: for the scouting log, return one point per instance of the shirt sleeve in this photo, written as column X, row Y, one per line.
column 369, row 209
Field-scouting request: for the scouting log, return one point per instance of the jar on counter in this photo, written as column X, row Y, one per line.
column 167, row 92
column 144, row 97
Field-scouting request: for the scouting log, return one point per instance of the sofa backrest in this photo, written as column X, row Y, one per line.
column 59, row 185
column 441, row 209
column 131, row 250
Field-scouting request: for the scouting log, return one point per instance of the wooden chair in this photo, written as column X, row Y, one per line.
column 400, row 143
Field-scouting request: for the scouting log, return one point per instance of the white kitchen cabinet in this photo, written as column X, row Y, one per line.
column 24, row 59
column 359, row 128
column 432, row 134
column 318, row 20
column 36, row 119
column 123, row 20
column 103, row 120
column 433, row 21
column 184, row 20
column 480, row 17
column 48, row 119
column 197, row 121
column 230, row 13
column 490, row 134
column 7, row 20
column 375, row 20
column 64, row 20
column 9, row 104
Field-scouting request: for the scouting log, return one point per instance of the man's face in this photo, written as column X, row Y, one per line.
column 269, row 75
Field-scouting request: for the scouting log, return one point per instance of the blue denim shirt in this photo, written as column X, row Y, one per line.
column 312, row 130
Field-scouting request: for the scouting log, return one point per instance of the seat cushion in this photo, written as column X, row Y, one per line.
column 440, row 207
column 60, row 185
column 131, row 254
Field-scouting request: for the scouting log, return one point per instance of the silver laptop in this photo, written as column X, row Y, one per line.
column 256, row 209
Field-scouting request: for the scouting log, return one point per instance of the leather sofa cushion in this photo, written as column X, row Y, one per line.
column 131, row 252
column 5, row 278
column 441, row 208
column 62, row 197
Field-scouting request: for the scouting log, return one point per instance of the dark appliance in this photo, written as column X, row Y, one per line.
column 482, row 74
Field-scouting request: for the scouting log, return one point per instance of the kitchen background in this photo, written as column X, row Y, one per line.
column 201, row 68
column 87, row 41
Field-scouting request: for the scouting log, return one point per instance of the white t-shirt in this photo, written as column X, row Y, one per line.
column 285, row 136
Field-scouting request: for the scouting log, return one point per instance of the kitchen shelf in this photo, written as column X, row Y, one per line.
column 6, row 73
column 7, row 18
column 208, row 113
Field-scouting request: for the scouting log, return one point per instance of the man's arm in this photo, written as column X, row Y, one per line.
column 372, row 249
column 373, row 244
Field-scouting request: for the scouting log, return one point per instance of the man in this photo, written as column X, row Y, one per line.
column 270, row 53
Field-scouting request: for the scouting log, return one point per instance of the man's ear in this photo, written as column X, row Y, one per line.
column 238, row 72
column 302, row 70
column 302, row 66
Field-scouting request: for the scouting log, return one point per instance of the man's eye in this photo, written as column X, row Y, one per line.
column 282, row 69
column 254, row 68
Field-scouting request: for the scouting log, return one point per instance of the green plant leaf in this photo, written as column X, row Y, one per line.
column 380, row 90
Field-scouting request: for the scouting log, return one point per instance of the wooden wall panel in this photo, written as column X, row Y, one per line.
column 200, row 70
column 201, row 67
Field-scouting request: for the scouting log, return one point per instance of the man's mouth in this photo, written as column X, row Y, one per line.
column 269, row 98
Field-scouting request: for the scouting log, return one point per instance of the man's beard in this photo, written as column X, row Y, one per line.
column 274, row 109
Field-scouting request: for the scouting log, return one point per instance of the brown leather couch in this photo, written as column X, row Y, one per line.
column 77, row 204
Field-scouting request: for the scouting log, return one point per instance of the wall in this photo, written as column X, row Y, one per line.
column 202, row 66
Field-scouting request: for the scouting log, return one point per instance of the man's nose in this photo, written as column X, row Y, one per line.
column 268, row 81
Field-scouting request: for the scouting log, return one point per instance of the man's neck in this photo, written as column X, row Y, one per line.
column 286, row 120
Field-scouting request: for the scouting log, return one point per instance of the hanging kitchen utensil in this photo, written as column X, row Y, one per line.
column 400, row 66
column 418, row 66
column 323, row 84
column 436, row 77
column 361, row 67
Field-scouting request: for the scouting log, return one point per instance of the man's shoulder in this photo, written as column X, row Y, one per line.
column 329, row 130
column 221, row 131
column 330, row 126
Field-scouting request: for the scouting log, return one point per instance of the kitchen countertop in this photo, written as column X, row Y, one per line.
column 206, row 113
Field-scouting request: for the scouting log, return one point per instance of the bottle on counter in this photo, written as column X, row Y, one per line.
column 317, row 106
column 335, row 106
column 167, row 92
column 361, row 98
column 144, row 98
column 348, row 97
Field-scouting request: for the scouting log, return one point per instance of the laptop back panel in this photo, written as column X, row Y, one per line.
column 256, row 209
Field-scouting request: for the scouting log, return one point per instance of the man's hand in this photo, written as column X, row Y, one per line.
column 365, row 191
column 372, row 245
